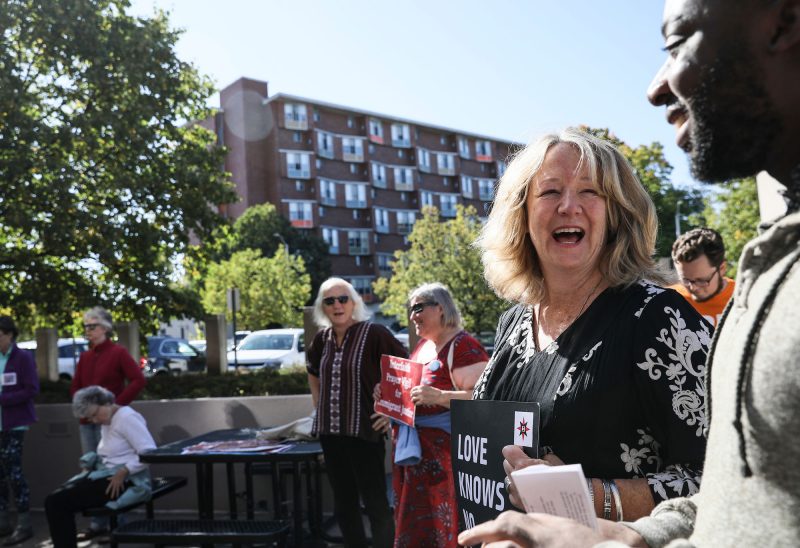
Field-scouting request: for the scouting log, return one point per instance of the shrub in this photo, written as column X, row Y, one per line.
column 169, row 387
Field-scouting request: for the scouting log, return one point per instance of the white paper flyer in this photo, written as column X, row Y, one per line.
column 557, row 490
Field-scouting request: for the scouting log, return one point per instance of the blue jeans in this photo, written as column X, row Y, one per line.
column 90, row 438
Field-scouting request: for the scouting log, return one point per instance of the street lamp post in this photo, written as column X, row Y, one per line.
column 285, row 245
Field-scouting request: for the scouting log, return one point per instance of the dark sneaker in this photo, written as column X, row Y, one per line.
column 5, row 531
column 21, row 534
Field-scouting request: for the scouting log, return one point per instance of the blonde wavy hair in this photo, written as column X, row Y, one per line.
column 510, row 263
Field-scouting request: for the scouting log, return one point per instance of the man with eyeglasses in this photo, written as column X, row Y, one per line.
column 699, row 257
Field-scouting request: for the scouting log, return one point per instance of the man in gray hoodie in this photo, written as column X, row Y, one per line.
column 731, row 88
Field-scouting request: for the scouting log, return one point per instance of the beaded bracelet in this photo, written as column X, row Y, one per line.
column 617, row 500
column 606, row 500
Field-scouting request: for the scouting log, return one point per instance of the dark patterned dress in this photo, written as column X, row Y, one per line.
column 425, row 510
column 622, row 390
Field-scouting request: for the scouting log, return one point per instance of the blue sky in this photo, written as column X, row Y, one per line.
column 508, row 69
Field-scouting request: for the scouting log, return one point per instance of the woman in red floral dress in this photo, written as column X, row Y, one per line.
column 425, row 508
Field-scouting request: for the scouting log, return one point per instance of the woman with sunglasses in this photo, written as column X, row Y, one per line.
column 343, row 363
column 109, row 365
column 425, row 500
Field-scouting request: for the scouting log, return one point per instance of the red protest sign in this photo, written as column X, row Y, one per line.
column 398, row 377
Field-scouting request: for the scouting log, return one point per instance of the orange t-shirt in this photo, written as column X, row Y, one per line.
column 711, row 309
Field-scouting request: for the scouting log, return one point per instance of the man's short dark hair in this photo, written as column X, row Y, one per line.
column 699, row 242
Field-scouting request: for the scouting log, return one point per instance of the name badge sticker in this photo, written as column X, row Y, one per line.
column 9, row 379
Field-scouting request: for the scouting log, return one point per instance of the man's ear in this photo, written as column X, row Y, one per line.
column 786, row 25
column 723, row 268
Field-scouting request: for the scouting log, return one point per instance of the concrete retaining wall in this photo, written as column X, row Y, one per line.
column 52, row 446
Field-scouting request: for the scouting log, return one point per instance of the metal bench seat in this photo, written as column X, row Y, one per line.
column 160, row 487
column 195, row 531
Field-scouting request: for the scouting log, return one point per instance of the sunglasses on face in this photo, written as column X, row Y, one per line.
column 419, row 307
column 328, row 301
column 90, row 326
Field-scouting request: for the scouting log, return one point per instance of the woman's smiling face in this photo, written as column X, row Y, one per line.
column 566, row 214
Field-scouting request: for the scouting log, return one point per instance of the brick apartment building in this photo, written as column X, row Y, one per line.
column 358, row 179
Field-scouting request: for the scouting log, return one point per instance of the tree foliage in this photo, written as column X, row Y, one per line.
column 442, row 251
column 734, row 213
column 103, row 181
column 257, row 229
column 654, row 172
column 272, row 289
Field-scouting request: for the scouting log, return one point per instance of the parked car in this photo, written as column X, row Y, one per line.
column 199, row 344
column 270, row 348
column 69, row 351
column 167, row 355
column 237, row 339
column 402, row 336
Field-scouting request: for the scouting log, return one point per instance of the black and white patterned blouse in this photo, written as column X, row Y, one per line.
column 622, row 390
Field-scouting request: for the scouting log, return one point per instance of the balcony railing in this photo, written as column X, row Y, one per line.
column 359, row 249
column 355, row 204
column 299, row 173
column 353, row 156
column 405, row 228
column 444, row 170
column 325, row 153
column 447, row 211
column 296, row 121
column 382, row 229
column 404, row 186
column 401, row 142
column 327, row 200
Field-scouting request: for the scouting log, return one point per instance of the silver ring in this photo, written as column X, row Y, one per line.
column 508, row 483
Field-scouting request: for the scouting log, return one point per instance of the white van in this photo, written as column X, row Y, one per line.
column 69, row 350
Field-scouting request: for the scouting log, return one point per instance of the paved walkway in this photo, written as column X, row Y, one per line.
column 41, row 538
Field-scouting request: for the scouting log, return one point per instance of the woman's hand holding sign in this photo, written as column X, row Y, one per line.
column 426, row 395
column 516, row 459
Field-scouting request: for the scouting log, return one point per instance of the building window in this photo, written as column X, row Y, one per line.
column 371, row 148
column 299, row 186
column 405, row 221
column 486, row 190
column 463, row 148
column 352, row 149
column 295, row 116
column 358, row 242
column 466, row 186
column 401, row 136
column 442, row 140
column 331, row 237
column 427, row 198
column 381, row 220
column 325, row 144
column 403, row 196
column 355, row 195
column 483, row 151
column 363, row 287
column 446, row 164
column 350, row 122
column 327, row 192
column 385, row 264
column 400, row 154
column 379, row 175
column 298, row 165
column 318, row 163
column 297, row 137
column 403, row 178
column 424, row 160
column 501, row 168
column 300, row 215
column 316, row 115
column 375, row 131
column 321, row 211
column 448, row 204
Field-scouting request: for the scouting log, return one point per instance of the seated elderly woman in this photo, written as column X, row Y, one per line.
column 113, row 476
column 615, row 360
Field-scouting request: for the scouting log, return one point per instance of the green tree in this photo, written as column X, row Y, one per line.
column 734, row 213
column 272, row 289
column 442, row 251
column 257, row 229
column 103, row 180
column 654, row 171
